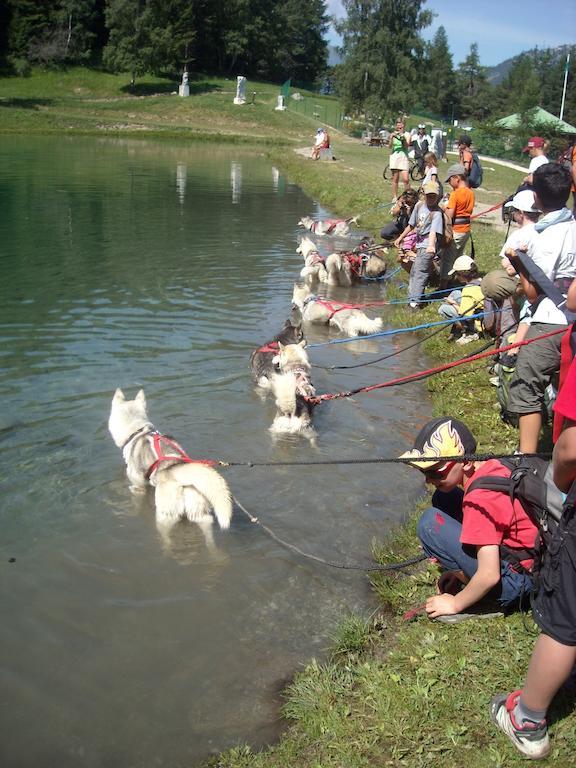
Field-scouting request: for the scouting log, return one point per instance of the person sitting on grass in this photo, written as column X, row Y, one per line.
column 426, row 220
column 402, row 210
column 479, row 537
column 521, row 715
column 322, row 142
column 467, row 300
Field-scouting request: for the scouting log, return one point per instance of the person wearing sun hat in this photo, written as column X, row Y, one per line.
column 468, row 299
column 480, row 538
column 536, row 148
column 427, row 221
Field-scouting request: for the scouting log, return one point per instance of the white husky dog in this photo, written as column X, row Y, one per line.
column 335, row 227
column 344, row 268
column 314, row 264
column 184, row 489
column 293, row 390
column 351, row 321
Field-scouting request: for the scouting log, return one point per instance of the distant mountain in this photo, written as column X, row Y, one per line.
column 496, row 74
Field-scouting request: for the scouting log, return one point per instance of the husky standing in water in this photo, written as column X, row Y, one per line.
column 348, row 319
column 293, row 390
column 335, row 227
column 264, row 360
column 314, row 269
column 184, row 488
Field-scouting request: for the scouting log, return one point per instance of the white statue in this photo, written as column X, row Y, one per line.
column 280, row 105
column 184, row 88
column 240, row 97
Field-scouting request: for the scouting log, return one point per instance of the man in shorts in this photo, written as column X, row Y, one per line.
column 522, row 714
column 554, row 251
column 399, row 165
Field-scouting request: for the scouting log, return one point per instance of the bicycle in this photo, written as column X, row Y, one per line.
column 416, row 173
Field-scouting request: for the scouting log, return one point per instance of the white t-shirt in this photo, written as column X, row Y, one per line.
column 536, row 162
column 554, row 251
column 430, row 171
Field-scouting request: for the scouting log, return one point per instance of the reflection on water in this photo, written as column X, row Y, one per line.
column 137, row 264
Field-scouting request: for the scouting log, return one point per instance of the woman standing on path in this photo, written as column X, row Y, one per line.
column 399, row 165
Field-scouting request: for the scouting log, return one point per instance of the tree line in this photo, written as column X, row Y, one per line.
column 388, row 68
column 263, row 39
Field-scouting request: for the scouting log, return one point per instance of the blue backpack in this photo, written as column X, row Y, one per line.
column 476, row 172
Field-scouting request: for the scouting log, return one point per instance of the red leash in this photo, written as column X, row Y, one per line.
column 488, row 210
column 439, row 369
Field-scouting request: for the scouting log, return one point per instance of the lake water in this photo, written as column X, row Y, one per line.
column 163, row 265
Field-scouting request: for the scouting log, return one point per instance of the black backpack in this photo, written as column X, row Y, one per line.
column 476, row 172
column 531, row 483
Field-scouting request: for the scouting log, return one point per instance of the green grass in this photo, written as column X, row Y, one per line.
column 390, row 693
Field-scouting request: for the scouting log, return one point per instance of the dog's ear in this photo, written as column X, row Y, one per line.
column 280, row 347
column 141, row 397
column 118, row 396
column 302, row 344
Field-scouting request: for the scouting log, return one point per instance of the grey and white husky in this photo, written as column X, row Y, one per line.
column 264, row 360
column 184, row 488
column 293, row 390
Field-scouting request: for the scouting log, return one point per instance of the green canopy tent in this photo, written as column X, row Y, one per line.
column 538, row 116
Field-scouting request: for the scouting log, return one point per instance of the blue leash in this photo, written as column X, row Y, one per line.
column 401, row 330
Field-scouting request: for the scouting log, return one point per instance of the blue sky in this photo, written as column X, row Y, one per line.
column 502, row 28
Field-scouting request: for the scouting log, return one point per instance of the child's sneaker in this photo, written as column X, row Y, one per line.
column 466, row 339
column 531, row 739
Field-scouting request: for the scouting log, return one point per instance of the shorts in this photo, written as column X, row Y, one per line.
column 399, row 161
column 554, row 606
column 535, row 366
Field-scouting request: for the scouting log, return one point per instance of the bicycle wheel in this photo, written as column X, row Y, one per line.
column 386, row 174
column 416, row 174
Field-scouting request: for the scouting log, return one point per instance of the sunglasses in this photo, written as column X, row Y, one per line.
column 438, row 473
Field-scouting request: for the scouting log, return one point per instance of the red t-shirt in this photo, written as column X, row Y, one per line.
column 566, row 401
column 490, row 518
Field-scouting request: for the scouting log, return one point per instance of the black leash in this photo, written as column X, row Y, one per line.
column 343, row 566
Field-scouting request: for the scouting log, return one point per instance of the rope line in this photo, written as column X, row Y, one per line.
column 394, row 331
column 344, row 566
column 432, row 371
column 488, row 210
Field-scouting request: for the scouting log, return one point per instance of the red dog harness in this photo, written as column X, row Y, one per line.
column 181, row 456
column 272, row 346
column 332, row 224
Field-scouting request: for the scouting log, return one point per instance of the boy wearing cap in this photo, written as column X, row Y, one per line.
column 479, row 536
column 467, row 300
column 536, row 148
column 427, row 221
column 459, row 209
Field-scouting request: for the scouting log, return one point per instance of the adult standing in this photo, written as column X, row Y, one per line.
column 399, row 165
column 554, row 251
column 466, row 156
column 421, row 145
column 459, row 210
column 536, row 148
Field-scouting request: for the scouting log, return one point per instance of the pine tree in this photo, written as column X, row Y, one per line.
column 474, row 90
column 382, row 48
column 438, row 93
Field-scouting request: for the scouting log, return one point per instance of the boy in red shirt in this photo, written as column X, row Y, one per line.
column 478, row 536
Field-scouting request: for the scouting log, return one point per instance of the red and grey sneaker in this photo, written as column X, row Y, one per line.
column 531, row 738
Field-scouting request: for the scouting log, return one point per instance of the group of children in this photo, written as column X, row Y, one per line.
column 484, row 540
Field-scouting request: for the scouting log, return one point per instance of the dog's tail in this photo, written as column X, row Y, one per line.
column 208, row 483
column 375, row 266
column 353, row 220
column 360, row 324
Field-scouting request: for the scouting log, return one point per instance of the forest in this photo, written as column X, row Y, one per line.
column 386, row 65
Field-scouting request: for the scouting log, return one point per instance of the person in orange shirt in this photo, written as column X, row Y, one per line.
column 459, row 209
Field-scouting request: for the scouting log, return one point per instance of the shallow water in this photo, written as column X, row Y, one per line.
column 143, row 264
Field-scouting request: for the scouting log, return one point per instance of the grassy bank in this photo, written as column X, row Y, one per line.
column 390, row 693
